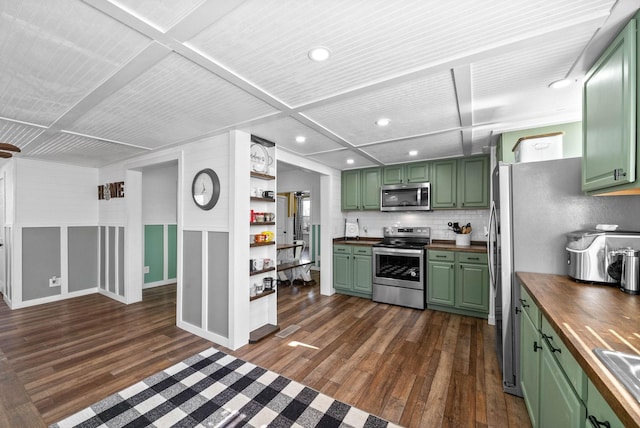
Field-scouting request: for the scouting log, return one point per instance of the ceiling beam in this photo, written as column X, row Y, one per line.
column 464, row 97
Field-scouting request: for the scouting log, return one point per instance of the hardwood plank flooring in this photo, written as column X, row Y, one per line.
column 415, row 368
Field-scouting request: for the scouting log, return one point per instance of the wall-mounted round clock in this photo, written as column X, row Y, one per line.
column 205, row 189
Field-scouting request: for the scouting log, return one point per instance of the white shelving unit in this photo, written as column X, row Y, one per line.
column 263, row 306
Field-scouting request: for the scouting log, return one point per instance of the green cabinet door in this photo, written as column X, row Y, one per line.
column 530, row 351
column 393, row 174
column 350, row 190
column 472, row 287
column 609, row 115
column 599, row 412
column 473, row 182
column 417, row 172
column 444, row 184
column 370, row 188
column 440, row 283
column 362, row 274
column 559, row 404
column 342, row 271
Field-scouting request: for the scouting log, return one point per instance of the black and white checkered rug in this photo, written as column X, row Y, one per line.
column 213, row 389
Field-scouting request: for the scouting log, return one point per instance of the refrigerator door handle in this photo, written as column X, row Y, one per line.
column 492, row 255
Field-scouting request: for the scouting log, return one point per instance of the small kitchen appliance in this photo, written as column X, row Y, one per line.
column 399, row 268
column 405, row 197
column 598, row 256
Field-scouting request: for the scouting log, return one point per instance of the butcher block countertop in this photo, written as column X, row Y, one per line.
column 587, row 317
column 353, row 241
column 475, row 247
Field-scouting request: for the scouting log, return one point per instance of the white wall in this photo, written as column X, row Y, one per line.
column 54, row 194
column 160, row 194
column 375, row 221
column 46, row 194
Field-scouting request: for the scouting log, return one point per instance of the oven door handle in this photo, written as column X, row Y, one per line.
column 395, row 251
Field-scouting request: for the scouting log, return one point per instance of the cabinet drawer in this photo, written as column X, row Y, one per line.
column 342, row 249
column 528, row 305
column 361, row 250
column 465, row 257
column 442, row 256
column 569, row 365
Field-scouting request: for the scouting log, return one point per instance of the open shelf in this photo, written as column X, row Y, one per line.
column 262, row 176
column 257, row 198
column 262, row 244
column 262, row 223
column 262, row 332
column 257, row 272
column 261, row 295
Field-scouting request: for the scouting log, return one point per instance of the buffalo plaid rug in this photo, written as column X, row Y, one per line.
column 213, row 389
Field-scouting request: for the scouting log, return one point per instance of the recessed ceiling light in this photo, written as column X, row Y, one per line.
column 562, row 83
column 350, row 161
column 383, row 121
column 413, row 153
column 300, row 139
column 319, row 54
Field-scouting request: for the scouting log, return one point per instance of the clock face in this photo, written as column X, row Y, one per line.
column 205, row 189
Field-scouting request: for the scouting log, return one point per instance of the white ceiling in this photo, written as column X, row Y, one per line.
column 93, row 82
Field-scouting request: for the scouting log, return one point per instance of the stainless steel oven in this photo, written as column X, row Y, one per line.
column 399, row 267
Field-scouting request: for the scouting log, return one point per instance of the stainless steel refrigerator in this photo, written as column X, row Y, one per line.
column 534, row 205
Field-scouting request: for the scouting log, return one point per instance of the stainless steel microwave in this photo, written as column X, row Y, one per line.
column 405, row 197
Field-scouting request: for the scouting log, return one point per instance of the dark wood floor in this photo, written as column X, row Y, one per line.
column 415, row 368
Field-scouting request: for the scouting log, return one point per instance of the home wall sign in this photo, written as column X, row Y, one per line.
column 111, row 190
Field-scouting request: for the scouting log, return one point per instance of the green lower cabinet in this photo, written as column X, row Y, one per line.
column 599, row 414
column 530, row 352
column 472, row 287
column 352, row 270
column 559, row 404
column 554, row 387
column 458, row 282
column 342, row 271
column 440, row 283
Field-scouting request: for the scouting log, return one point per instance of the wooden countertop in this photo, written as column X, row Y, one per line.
column 369, row 241
column 592, row 316
column 475, row 247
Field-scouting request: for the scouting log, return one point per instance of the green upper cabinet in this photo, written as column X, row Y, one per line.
column 407, row 173
column 370, row 188
column 460, row 183
column 473, row 182
column 351, row 190
column 361, row 189
column 610, row 117
column 443, row 184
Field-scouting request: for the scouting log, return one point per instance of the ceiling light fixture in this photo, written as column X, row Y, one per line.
column 319, row 54
column 300, row 139
column 413, row 153
column 383, row 121
column 562, row 83
column 350, row 161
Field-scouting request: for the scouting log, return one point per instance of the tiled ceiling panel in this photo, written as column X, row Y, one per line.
column 18, row 134
column 175, row 100
column 338, row 159
column 378, row 38
column 162, row 14
column 518, row 88
column 414, row 107
column 284, row 132
column 80, row 150
column 448, row 144
column 53, row 53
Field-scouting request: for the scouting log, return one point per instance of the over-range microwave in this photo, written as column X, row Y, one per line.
column 405, row 197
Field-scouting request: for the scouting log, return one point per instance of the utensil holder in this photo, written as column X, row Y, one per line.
column 463, row 239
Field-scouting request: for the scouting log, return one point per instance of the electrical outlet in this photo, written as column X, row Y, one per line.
column 146, row 269
column 54, row 282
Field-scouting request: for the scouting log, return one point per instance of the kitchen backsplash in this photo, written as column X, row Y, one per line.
column 373, row 222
